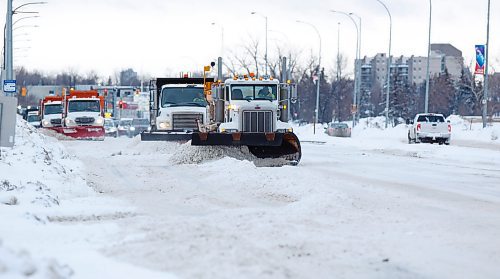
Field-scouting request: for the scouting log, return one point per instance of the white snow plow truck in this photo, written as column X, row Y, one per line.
column 176, row 107
column 250, row 111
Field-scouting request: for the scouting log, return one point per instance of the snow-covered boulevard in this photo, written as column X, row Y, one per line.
column 370, row 206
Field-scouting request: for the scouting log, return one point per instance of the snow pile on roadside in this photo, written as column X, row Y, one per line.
column 38, row 171
column 20, row 265
column 463, row 129
column 37, row 176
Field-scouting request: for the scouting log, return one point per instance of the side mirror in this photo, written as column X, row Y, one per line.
column 448, row 121
column 407, row 121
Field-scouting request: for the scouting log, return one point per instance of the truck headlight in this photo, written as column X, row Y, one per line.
column 132, row 128
column 99, row 121
column 164, row 125
column 45, row 122
column 69, row 121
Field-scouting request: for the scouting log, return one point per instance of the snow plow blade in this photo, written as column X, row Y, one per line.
column 262, row 145
column 82, row 132
column 163, row 136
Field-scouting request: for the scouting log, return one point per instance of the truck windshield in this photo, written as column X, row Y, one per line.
column 183, row 96
column 53, row 109
column 254, row 92
column 430, row 118
column 84, row 105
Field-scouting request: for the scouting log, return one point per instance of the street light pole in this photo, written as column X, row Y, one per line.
column 9, row 60
column 265, row 55
column 360, row 64
column 356, row 61
column 388, row 79
column 485, row 98
column 9, row 75
column 428, row 61
column 318, row 73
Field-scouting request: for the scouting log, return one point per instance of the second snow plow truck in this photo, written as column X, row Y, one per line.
column 176, row 105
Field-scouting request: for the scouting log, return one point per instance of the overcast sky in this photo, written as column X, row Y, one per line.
column 156, row 37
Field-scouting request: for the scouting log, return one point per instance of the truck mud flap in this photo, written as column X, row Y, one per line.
column 84, row 133
column 159, row 136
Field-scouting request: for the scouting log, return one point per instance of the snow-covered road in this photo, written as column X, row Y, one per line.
column 366, row 207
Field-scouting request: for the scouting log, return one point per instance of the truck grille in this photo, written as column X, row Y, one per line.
column 258, row 121
column 183, row 121
column 84, row 120
column 56, row 122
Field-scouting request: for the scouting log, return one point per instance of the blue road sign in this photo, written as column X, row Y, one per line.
column 9, row 86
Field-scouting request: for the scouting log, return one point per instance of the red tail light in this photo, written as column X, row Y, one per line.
column 419, row 126
column 449, row 128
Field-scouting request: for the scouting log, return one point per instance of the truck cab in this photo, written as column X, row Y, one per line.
column 177, row 107
column 429, row 127
column 83, row 111
column 180, row 107
column 253, row 106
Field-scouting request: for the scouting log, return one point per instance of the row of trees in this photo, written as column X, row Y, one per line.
column 447, row 95
column 126, row 77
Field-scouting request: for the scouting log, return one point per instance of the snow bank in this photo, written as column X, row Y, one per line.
column 37, row 174
column 463, row 129
column 38, row 171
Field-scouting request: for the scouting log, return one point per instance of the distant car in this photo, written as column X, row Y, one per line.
column 338, row 130
column 110, row 128
column 33, row 119
column 124, row 127
column 139, row 125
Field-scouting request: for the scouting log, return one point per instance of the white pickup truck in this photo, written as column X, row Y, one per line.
column 429, row 127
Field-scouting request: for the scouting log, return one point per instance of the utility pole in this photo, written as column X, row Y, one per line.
column 428, row 61
column 485, row 98
column 388, row 79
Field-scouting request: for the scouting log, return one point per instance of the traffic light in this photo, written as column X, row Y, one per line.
column 120, row 104
column 105, row 92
